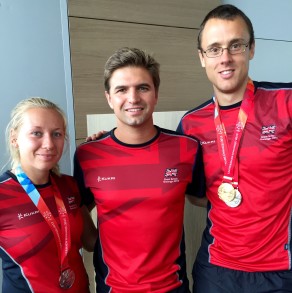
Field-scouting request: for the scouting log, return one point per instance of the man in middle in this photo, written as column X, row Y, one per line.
column 137, row 176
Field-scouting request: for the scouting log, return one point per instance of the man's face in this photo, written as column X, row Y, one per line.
column 228, row 73
column 132, row 96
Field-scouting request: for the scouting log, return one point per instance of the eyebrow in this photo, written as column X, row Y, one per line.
column 119, row 87
column 35, row 127
column 216, row 44
column 144, row 84
column 136, row 86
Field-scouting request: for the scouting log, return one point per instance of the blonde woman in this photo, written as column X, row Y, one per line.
column 42, row 226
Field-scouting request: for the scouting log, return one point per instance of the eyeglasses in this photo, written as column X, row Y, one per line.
column 233, row 49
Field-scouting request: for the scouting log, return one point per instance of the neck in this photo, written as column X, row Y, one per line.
column 230, row 98
column 135, row 135
column 37, row 177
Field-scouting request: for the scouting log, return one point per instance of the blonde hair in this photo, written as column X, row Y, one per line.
column 17, row 115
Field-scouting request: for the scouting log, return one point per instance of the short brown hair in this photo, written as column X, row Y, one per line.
column 125, row 57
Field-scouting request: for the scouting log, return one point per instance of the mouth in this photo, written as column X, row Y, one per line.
column 226, row 72
column 47, row 157
column 134, row 110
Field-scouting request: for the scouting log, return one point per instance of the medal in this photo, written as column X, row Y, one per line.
column 236, row 201
column 226, row 192
column 67, row 279
column 230, row 195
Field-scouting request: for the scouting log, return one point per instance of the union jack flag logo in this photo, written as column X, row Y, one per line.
column 270, row 129
column 170, row 172
column 71, row 199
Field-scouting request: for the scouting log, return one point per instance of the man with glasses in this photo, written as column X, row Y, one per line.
column 246, row 135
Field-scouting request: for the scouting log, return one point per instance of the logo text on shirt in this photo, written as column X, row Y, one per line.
column 25, row 215
column 100, row 178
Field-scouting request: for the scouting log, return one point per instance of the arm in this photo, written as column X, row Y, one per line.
column 196, row 192
column 90, row 232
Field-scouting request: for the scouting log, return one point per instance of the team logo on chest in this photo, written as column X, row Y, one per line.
column 268, row 132
column 72, row 202
column 170, row 175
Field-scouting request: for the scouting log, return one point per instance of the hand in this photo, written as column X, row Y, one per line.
column 198, row 201
column 95, row 136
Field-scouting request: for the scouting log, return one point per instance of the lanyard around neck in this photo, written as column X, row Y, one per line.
column 62, row 236
column 229, row 153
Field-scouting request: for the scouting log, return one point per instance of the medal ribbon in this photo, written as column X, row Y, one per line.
column 63, row 236
column 228, row 153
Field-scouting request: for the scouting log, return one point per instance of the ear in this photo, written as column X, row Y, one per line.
column 252, row 51
column 108, row 97
column 156, row 97
column 13, row 138
column 202, row 58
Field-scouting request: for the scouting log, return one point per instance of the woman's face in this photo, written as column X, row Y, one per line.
column 40, row 141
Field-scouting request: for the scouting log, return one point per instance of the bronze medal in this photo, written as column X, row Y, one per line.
column 226, row 192
column 236, row 201
column 67, row 279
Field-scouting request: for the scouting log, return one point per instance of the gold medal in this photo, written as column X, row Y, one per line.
column 226, row 192
column 236, row 201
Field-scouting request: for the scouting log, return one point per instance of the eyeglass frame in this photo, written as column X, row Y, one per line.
column 243, row 46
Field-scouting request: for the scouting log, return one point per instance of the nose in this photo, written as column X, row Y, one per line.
column 226, row 56
column 133, row 96
column 48, row 142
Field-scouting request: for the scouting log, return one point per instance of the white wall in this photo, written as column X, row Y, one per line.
column 35, row 60
column 272, row 23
